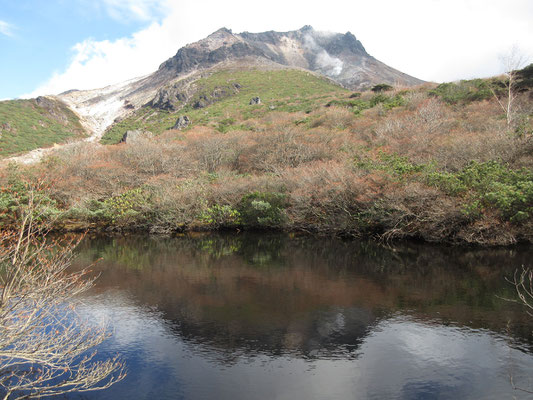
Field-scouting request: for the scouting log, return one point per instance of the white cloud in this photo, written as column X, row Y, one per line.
column 431, row 39
column 99, row 63
column 6, row 29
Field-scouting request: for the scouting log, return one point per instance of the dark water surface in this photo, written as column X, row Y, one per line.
column 277, row 316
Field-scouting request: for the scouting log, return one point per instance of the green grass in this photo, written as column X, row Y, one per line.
column 280, row 90
column 466, row 91
column 24, row 125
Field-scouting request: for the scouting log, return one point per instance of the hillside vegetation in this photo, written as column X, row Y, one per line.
column 30, row 124
column 439, row 163
column 223, row 98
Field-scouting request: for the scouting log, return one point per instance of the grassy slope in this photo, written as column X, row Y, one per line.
column 25, row 125
column 279, row 90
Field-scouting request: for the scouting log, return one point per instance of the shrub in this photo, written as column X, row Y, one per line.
column 393, row 164
column 24, row 191
column 263, row 209
column 381, row 87
column 493, row 184
column 125, row 208
column 220, row 216
column 448, row 182
column 225, row 125
column 465, row 91
column 387, row 101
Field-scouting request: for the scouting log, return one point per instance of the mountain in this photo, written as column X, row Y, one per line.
column 339, row 57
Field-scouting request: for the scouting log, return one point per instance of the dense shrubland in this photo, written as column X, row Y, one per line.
column 436, row 163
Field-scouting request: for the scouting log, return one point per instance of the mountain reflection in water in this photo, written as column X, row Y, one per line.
column 264, row 316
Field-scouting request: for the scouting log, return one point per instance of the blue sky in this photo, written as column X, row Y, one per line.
column 40, row 36
column 48, row 46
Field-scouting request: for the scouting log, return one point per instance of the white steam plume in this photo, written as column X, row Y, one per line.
column 330, row 65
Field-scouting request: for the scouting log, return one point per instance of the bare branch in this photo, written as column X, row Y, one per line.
column 45, row 346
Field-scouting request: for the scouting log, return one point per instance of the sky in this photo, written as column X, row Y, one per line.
column 49, row 46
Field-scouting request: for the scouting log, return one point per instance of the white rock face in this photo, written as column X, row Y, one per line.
column 99, row 108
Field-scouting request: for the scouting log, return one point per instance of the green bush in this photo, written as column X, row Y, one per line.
column 393, row 164
column 125, row 208
column 448, row 182
column 388, row 102
column 465, row 91
column 493, row 184
column 225, row 125
column 19, row 194
column 263, row 209
column 220, row 216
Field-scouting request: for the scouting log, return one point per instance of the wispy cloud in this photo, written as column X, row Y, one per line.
column 6, row 29
column 143, row 10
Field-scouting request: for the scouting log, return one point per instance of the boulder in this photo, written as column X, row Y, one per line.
column 135, row 135
column 182, row 122
column 255, row 101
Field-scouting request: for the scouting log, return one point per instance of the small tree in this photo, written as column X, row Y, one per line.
column 45, row 346
column 511, row 62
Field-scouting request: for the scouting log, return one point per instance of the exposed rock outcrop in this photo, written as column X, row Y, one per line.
column 203, row 99
column 169, row 98
column 182, row 122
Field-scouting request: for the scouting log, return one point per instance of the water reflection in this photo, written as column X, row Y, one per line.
column 281, row 316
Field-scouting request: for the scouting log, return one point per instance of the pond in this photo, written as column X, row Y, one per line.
column 281, row 316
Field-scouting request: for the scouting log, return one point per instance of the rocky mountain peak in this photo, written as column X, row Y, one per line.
column 340, row 57
column 338, row 44
column 222, row 31
column 306, row 29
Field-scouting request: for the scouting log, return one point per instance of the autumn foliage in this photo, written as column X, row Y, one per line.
column 401, row 165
